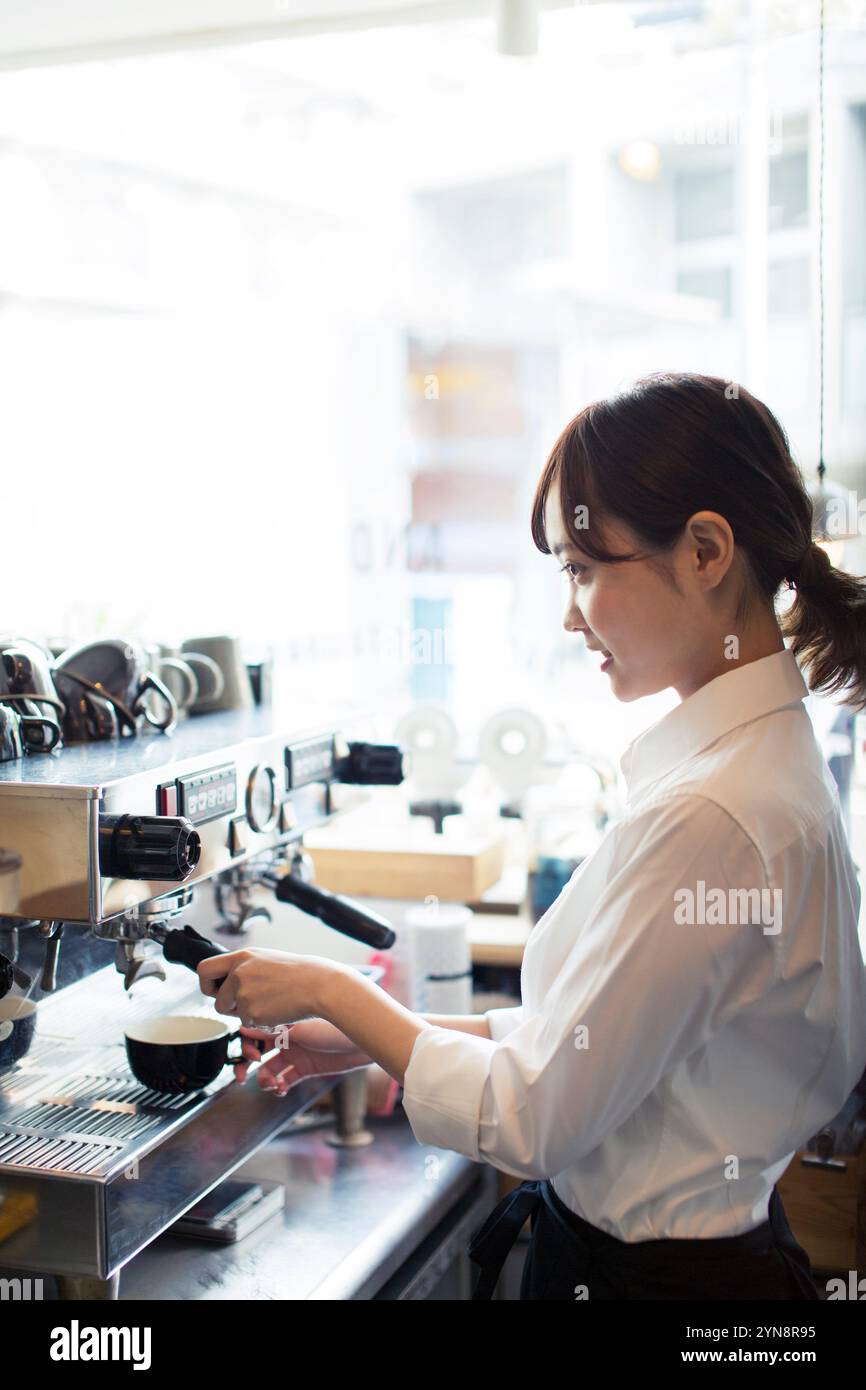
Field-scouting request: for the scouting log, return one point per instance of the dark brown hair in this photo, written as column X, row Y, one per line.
column 676, row 443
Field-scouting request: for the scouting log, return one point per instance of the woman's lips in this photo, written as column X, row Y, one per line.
column 606, row 654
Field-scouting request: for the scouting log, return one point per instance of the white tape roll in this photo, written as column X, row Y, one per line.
column 512, row 744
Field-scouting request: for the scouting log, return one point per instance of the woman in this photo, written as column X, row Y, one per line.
column 694, row 1003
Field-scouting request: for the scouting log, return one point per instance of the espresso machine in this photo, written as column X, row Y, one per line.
column 124, row 840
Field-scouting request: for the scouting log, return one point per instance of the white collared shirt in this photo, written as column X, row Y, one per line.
column 694, row 1002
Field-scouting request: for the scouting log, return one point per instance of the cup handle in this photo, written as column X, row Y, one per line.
column 152, row 682
column 186, row 673
column 26, row 719
column 216, row 672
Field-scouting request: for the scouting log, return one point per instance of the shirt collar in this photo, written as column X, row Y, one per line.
column 735, row 698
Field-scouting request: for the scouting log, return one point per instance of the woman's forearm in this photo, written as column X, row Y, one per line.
column 464, row 1023
column 379, row 1025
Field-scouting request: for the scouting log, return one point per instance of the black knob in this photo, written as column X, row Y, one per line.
column 372, row 764
column 148, row 847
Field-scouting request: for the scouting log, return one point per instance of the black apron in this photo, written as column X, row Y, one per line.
column 570, row 1259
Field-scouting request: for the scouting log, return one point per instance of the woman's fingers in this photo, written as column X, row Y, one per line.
column 274, row 1068
column 215, row 968
column 272, row 1076
column 255, row 1043
column 265, row 1034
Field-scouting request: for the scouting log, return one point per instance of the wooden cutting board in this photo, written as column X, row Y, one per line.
column 454, row 868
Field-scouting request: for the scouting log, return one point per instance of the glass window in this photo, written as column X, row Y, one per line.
column 788, row 287
column 789, row 191
column 704, row 203
column 713, row 283
column 284, row 351
column 500, row 223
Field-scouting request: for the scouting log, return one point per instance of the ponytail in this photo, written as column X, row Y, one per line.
column 826, row 626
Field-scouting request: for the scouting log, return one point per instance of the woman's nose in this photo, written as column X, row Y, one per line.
column 573, row 618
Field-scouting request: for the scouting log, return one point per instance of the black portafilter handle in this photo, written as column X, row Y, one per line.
column 335, row 911
column 185, row 946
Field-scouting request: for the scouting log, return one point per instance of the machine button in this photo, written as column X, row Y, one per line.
column 239, row 836
column 288, row 817
column 167, row 799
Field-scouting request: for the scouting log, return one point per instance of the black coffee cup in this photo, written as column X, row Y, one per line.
column 180, row 1053
column 17, row 1027
column 115, row 670
column 88, row 716
column 26, row 685
column 17, row 733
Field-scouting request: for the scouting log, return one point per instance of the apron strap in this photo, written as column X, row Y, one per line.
column 790, row 1249
column 491, row 1243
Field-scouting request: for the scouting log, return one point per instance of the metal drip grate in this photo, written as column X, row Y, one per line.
column 72, row 1105
column 51, row 1119
column 81, row 1122
column 64, row 1155
column 91, row 1090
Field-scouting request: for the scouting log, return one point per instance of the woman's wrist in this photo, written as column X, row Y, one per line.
column 331, row 986
column 380, row 1027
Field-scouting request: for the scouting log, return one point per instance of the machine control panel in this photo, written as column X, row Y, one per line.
column 200, row 796
column 310, row 761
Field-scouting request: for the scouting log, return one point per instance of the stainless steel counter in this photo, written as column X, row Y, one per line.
column 381, row 1221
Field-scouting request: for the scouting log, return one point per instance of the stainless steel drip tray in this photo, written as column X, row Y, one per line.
column 93, row 1166
column 91, row 1119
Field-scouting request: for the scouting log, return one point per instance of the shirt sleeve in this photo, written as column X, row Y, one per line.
column 501, row 1021
column 638, row 990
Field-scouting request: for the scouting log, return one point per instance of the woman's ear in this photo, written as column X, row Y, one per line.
column 710, row 548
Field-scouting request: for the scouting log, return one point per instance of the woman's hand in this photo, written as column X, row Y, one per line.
column 266, row 987
column 274, row 987
column 311, row 1048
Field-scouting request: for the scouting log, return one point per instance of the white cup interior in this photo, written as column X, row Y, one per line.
column 176, row 1029
column 14, row 1007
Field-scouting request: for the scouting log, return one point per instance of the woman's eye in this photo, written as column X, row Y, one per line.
column 574, row 571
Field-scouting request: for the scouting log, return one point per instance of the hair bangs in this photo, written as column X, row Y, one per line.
column 576, row 461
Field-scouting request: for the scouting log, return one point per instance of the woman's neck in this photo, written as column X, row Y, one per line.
column 762, row 638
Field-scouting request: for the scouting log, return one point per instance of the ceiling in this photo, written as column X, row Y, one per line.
column 56, row 31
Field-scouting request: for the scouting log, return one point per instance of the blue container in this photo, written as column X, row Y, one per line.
column 548, row 880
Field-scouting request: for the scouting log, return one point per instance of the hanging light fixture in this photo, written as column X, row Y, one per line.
column 517, row 27
column 832, row 522
column 640, row 159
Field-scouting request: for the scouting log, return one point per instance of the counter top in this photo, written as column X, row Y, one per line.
column 499, row 938
column 352, row 1219
column 88, row 765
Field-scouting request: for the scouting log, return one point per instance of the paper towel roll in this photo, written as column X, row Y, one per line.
column 440, row 958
